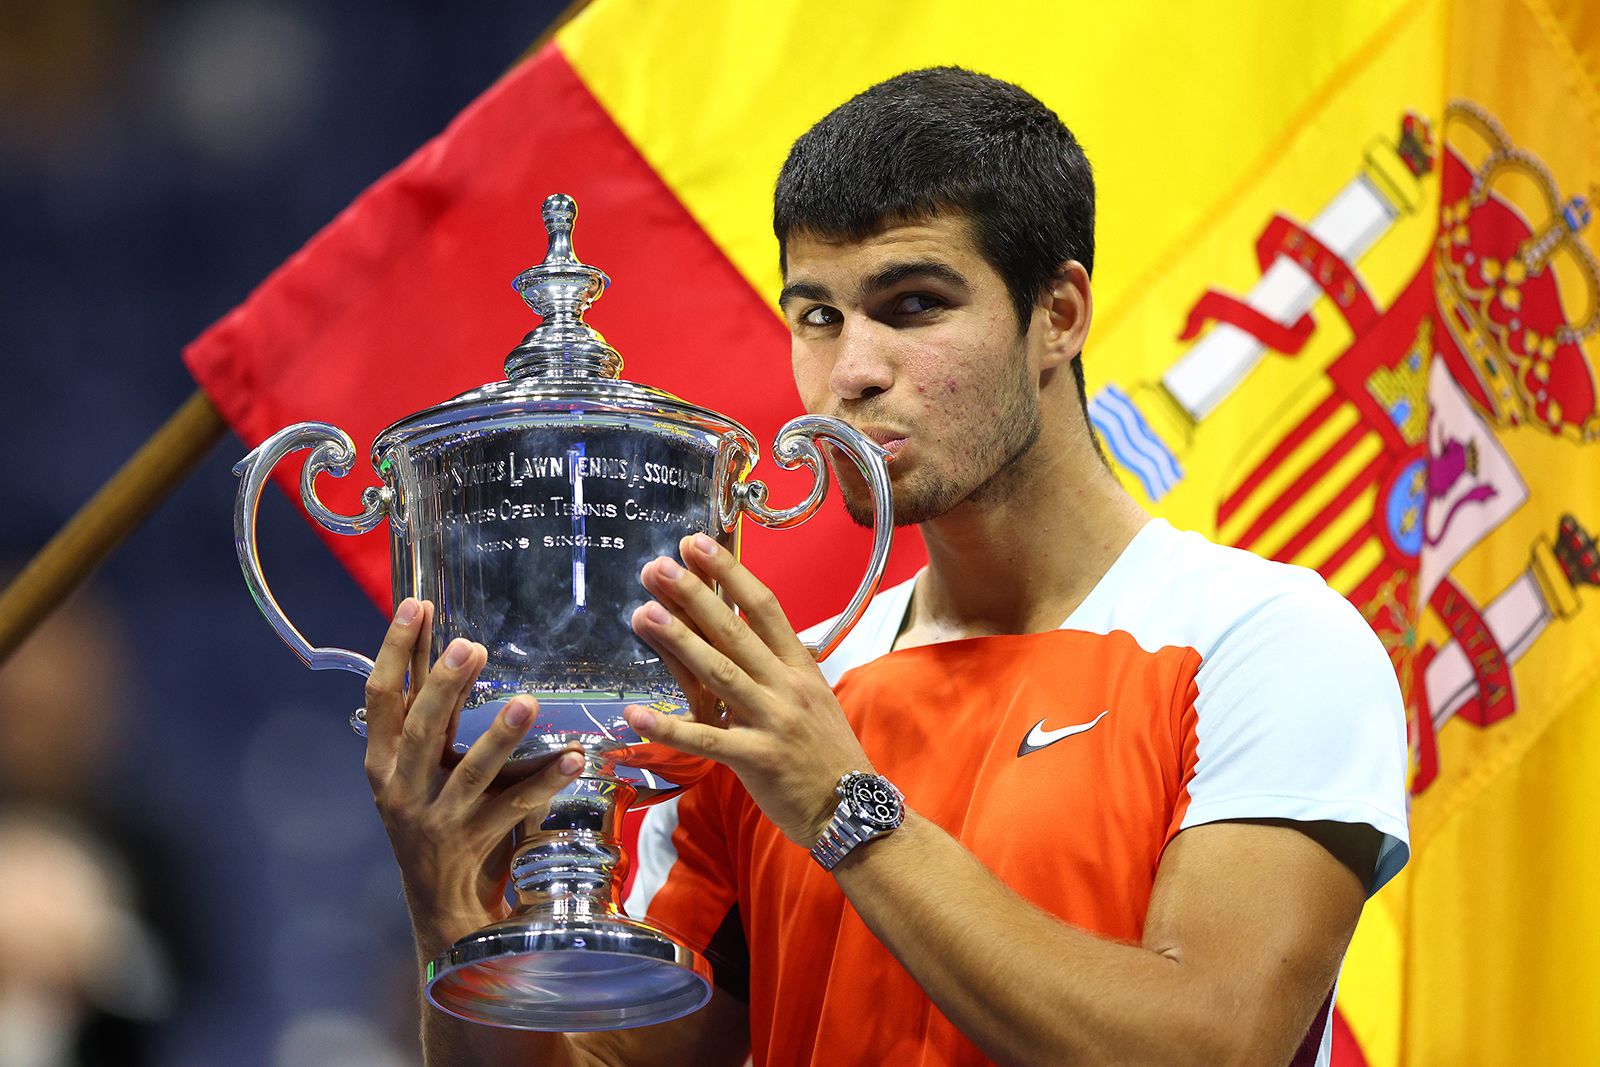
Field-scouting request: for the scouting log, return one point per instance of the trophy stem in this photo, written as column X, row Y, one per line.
column 571, row 865
column 568, row 957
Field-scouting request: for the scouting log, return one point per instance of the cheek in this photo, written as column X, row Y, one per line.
column 958, row 383
column 810, row 378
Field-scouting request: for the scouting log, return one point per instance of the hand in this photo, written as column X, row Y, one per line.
column 449, row 828
column 786, row 736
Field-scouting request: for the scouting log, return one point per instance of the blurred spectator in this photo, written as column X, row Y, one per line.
column 83, row 975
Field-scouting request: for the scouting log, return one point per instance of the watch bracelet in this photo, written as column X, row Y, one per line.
column 836, row 842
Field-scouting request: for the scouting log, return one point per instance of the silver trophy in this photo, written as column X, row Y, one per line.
column 525, row 510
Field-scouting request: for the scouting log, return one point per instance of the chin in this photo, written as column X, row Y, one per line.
column 913, row 504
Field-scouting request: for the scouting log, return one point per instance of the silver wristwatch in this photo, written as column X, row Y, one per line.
column 869, row 807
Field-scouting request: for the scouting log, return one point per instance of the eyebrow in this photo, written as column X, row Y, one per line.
column 887, row 277
column 803, row 291
column 895, row 273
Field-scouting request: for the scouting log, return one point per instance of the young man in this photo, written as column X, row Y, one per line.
column 1147, row 782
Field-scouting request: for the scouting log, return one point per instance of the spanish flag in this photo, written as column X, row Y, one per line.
column 1347, row 301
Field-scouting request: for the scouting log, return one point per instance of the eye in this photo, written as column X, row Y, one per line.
column 916, row 304
column 820, row 315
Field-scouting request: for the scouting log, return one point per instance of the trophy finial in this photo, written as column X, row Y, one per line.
column 561, row 289
column 560, row 211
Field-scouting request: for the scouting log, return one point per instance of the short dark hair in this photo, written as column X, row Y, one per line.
column 947, row 139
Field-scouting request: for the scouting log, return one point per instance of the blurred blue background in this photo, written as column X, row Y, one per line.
column 157, row 160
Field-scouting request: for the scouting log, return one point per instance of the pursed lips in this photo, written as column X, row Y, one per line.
column 891, row 441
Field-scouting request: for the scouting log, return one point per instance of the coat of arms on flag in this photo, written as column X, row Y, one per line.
column 1398, row 470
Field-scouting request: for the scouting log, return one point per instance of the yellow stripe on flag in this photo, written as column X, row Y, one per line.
column 1503, row 927
column 1176, row 104
column 1372, row 981
column 1357, row 567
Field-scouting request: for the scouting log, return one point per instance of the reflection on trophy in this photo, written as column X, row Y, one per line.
column 525, row 510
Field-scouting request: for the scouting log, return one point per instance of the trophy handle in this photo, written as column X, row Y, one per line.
column 796, row 446
column 332, row 451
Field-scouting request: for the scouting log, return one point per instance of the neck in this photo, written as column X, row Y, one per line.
column 1024, row 554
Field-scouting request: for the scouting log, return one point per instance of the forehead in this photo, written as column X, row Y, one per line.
column 945, row 238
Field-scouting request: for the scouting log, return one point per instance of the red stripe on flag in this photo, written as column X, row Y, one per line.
column 405, row 299
column 1344, row 551
column 1297, row 489
column 1319, row 522
column 1284, row 448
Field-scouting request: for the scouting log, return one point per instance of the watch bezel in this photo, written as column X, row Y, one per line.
column 864, row 808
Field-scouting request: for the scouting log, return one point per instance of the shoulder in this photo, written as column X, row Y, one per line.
column 1177, row 588
column 1264, row 633
column 1294, row 711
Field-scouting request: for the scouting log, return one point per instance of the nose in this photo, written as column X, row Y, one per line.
column 863, row 367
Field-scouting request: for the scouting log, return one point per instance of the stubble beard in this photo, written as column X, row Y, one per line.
column 937, row 492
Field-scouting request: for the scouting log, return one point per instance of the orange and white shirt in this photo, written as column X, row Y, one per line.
column 1195, row 683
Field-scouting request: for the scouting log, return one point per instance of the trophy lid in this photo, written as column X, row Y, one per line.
column 563, row 364
column 561, row 289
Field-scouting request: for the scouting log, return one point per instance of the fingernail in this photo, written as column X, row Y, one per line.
column 705, row 544
column 457, row 653
column 407, row 612
column 517, row 714
column 657, row 614
column 669, row 568
column 571, row 763
column 641, row 719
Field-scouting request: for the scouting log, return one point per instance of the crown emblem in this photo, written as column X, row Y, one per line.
column 1518, row 290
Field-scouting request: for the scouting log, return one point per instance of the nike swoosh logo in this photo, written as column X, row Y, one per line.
column 1039, row 737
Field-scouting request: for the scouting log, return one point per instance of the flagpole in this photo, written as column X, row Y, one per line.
column 568, row 13
column 102, row 523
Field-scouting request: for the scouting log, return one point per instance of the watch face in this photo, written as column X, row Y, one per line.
column 874, row 801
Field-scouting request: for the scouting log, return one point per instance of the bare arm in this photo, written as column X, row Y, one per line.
column 450, row 830
column 1245, row 929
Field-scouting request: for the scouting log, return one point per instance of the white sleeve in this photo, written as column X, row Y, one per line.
column 653, row 856
column 1298, row 716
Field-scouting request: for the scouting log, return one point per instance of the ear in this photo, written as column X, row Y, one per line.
column 1070, row 307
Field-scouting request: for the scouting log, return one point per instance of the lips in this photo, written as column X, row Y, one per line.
column 891, row 441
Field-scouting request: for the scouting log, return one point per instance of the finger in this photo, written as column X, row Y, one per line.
column 419, row 654
column 762, row 612
column 385, row 690
column 453, row 722
column 668, row 635
column 720, row 624
column 692, row 688
column 693, row 738
column 488, row 753
column 501, row 815
column 423, row 737
column 700, row 700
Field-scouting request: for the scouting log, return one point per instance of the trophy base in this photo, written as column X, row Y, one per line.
column 595, row 973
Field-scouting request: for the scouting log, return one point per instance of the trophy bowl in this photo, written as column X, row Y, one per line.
column 525, row 510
